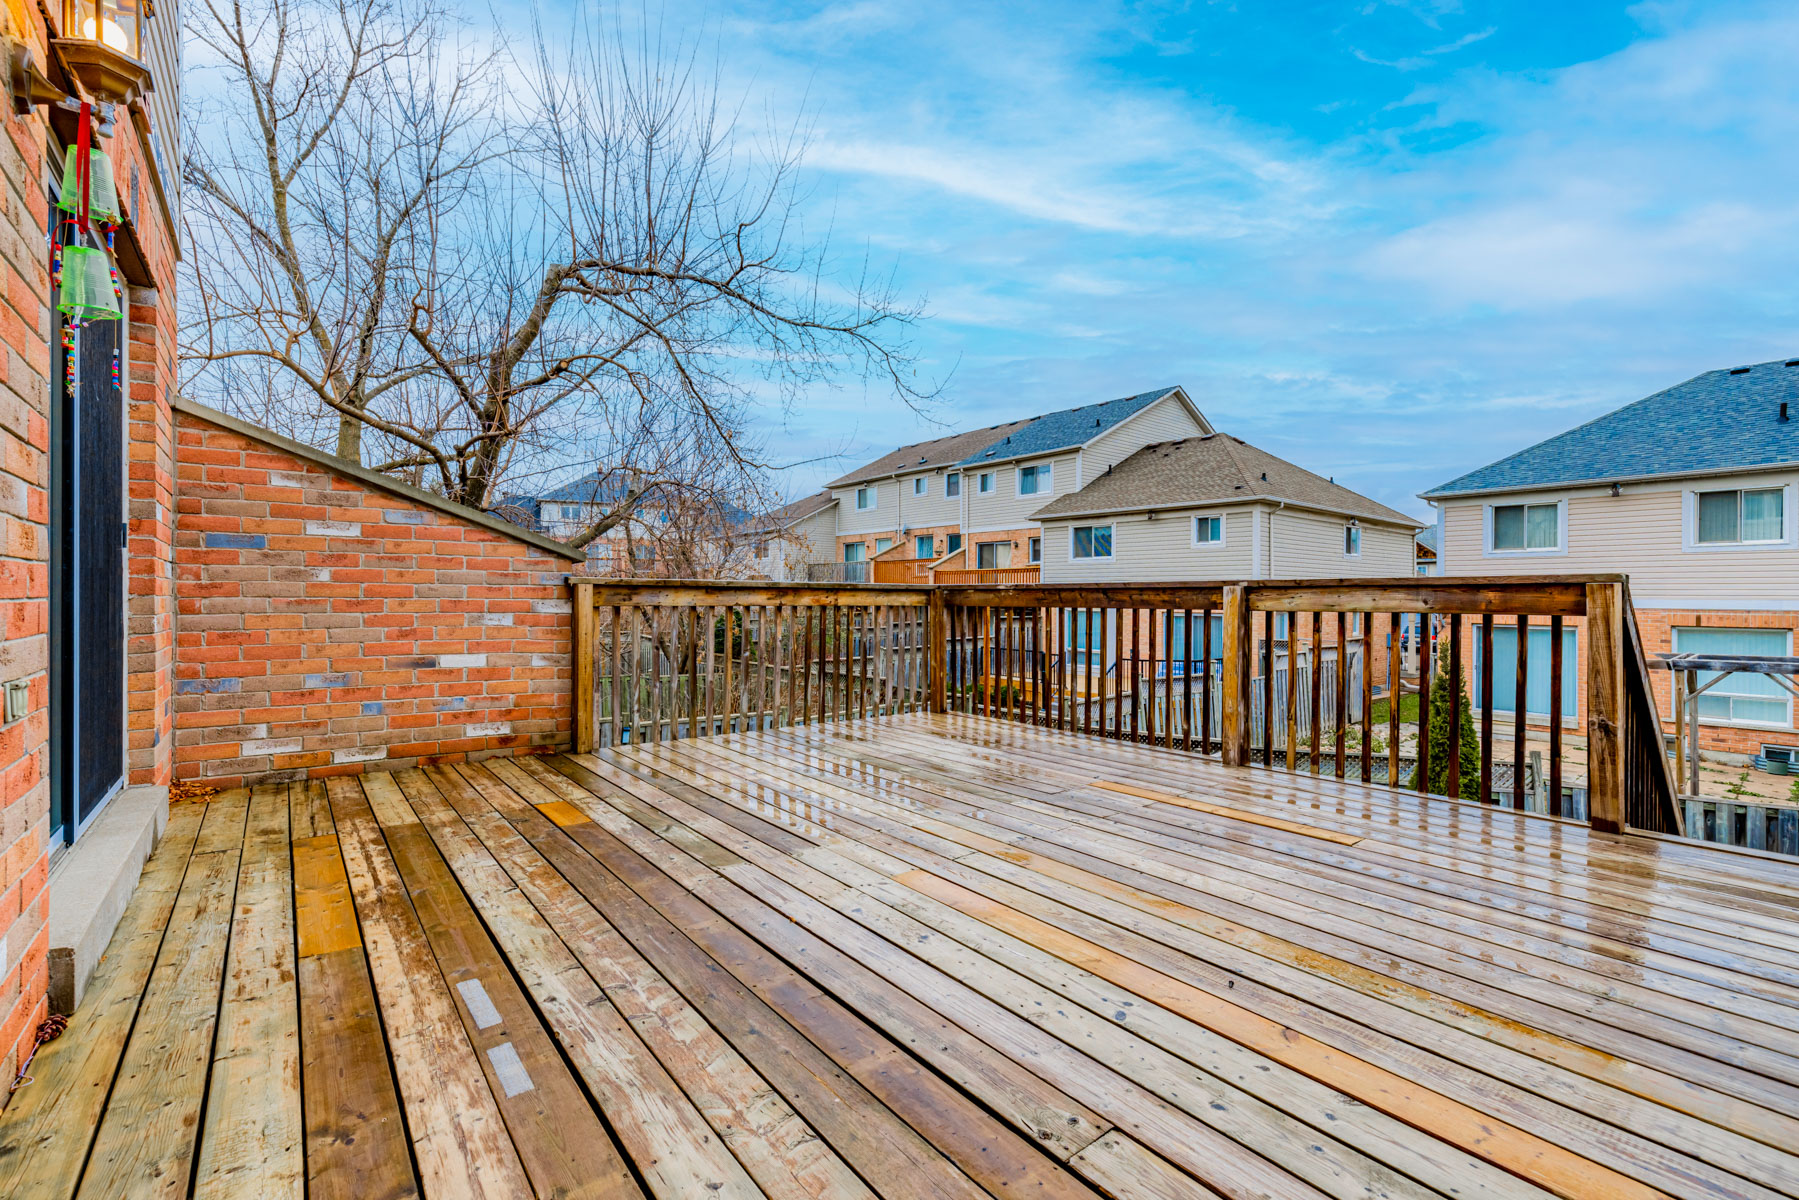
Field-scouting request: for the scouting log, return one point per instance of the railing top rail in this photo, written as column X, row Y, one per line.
column 1753, row 664
column 1536, row 595
column 753, row 593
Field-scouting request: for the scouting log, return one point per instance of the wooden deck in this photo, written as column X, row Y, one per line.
column 919, row 956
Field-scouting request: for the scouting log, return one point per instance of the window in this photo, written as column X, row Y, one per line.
column 1352, row 541
column 985, row 483
column 1738, row 517
column 955, row 543
column 1036, row 547
column 1177, row 655
column 1785, row 754
column 883, row 545
column 865, row 499
column 920, row 486
column 989, row 556
column 1089, row 638
column 854, row 551
column 1526, row 527
column 1032, row 480
column 1090, row 541
column 1739, row 698
column 921, row 547
column 1536, row 671
column 761, row 549
column 1208, row 531
column 952, row 484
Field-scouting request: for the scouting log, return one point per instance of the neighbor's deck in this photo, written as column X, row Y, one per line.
column 919, row 956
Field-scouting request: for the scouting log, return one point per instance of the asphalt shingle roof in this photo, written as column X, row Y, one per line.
column 1214, row 469
column 1043, row 434
column 923, row 456
column 1725, row 420
column 797, row 510
column 1064, row 430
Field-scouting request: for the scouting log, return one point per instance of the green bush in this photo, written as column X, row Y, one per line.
column 1469, row 749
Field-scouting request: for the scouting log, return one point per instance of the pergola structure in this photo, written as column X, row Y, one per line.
column 1687, row 690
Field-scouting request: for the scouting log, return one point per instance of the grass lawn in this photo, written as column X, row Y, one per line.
column 1408, row 710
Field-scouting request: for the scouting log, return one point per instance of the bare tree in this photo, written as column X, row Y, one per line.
column 592, row 266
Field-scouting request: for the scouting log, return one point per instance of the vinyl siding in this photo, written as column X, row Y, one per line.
column 1164, row 421
column 1004, row 508
column 930, row 509
column 883, row 518
column 1146, row 551
column 812, row 540
column 1310, row 546
column 1640, row 534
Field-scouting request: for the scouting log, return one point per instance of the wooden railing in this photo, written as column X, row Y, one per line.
column 660, row 661
column 1300, row 675
column 986, row 576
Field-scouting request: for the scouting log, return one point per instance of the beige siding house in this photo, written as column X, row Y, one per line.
column 796, row 535
column 1215, row 507
column 1694, row 494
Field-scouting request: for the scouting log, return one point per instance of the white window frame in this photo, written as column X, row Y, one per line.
column 1561, row 529
column 1689, row 520
column 1352, row 531
column 1033, row 552
column 874, row 498
column 1042, row 474
column 952, row 484
column 1111, row 554
column 1785, row 722
column 984, row 483
column 1215, row 543
column 921, row 485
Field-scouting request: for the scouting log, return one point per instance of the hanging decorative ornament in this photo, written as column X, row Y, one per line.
column 68, row 346
column 89, row 290
column 103, row 194
column 115, row 370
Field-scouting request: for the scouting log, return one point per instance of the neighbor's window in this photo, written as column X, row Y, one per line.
column 955, row 543
column 952, row 484
column 883, row 545
column 1751, row 515
column 1091, row 541
column 921, row 547
column 990, row 556
column 1527, row 527
column 1208, row 531
column 854, row 551
column 1036, row 549
column 865, row 499
column 919, row 485
column 1739, row 698
column 1352, row 540
column 1032, row 480
column 986, row 484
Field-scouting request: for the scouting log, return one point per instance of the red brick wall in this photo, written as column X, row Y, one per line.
column 24, row 586
column 326, row 626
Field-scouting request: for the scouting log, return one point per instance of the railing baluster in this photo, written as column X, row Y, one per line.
column 1555, row 717
column 1266, row 660
column 1292, row 738
column 1368, row 697
column 1453, row 764
column 1341, row 733
column 1315, row 762
column 1520, row 669
column 617, row 723
column 1427, row 661
column 1394, row 688
column 1205, row 682
column 1486, row 708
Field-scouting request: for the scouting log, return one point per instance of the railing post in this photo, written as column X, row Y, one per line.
column 1234, row 678
column 581, row 621
column 1605, row 706
column 937, row 649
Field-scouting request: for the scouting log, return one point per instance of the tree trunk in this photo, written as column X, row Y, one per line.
column 349, row 438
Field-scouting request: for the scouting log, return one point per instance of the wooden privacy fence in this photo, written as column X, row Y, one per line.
column 1200, row 667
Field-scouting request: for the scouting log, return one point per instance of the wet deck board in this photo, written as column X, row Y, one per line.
column 920, row 957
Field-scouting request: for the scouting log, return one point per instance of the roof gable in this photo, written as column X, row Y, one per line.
column 1721, row 421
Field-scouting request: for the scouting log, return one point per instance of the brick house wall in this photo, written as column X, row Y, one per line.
column 331, row 620
column 24, row 571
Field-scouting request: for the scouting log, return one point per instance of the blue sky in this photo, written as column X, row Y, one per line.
column 1387, row 241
